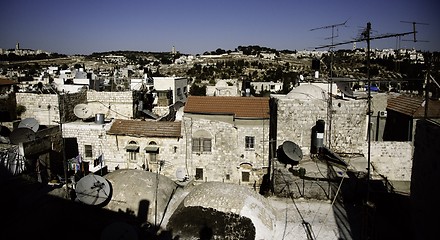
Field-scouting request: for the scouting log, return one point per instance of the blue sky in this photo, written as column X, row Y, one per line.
column 196, row 26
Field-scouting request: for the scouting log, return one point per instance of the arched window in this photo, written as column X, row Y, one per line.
column 133, row 149
column 152, row 149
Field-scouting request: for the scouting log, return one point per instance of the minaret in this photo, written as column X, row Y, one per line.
column 17, row 46
column 173, row 50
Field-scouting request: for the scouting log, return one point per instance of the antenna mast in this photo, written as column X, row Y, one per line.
column 330, row 89
column 366, row 36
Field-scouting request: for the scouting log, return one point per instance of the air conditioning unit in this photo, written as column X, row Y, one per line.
column 383, row 114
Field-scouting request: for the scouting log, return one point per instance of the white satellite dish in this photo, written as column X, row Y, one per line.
column 93, row 189
column 30, row 123
column 82, row 111
column 180, row 174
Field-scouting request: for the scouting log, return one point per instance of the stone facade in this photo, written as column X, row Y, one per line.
column 46, row 108
column 170, row 152
column 88, row 134
column 392, row 160
column 113, row 149
column 296, row 117
column 111, row 104
column 229, row 160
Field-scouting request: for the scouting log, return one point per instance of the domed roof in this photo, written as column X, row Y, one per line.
column 217, row 207
column 307, row 91
column 135, row 191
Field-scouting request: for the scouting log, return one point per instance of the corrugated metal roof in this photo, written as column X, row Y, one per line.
column 240, row 107
column 414, row 106
column 138, row 128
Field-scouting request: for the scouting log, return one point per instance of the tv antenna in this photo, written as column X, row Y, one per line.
column 330, row 89
column 366, row 36
column 414, row 30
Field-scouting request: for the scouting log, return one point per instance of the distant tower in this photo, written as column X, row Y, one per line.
column 17, row 46
column 354, row 46
column 173, row 50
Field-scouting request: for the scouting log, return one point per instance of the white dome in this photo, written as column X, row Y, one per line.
column 307, row 91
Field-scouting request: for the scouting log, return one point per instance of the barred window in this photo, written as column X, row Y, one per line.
column 249, row 142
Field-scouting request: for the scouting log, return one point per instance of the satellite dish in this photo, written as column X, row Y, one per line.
column 180, row 174
column 30, row 123
column 93, row 189
column 20, row 135
column 289, row 153
column 82, row 111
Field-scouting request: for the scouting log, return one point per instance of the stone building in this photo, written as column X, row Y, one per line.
column 128, row 144
column 227, row 138
column 296, row 113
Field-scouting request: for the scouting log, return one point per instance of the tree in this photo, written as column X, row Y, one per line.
column 197, row 90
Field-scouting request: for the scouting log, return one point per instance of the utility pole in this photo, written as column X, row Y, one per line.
column 366, row 35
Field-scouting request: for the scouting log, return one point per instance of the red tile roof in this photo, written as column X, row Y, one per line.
column 137, row 128
column 240, row 107
column 414, row 106
column 6, row 82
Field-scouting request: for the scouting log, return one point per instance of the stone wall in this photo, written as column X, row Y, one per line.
column 43, row 107
column 171, row 152
column 115, row 155
column 228, row 158
column 87, row 133
column 46, row 108
column 392, row 160
column 296, row 117
column 111, row 104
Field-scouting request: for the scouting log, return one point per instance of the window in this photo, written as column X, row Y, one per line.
column 179, row 92
column 249, row 142
column 201, row 142
column 152, row 149
column 133, row 149
column 201, row 145
column 199, row 173
column 228, row 177
column 88, row 151
column 245, row 176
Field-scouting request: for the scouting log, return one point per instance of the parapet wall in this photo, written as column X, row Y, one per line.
column 392, row 160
